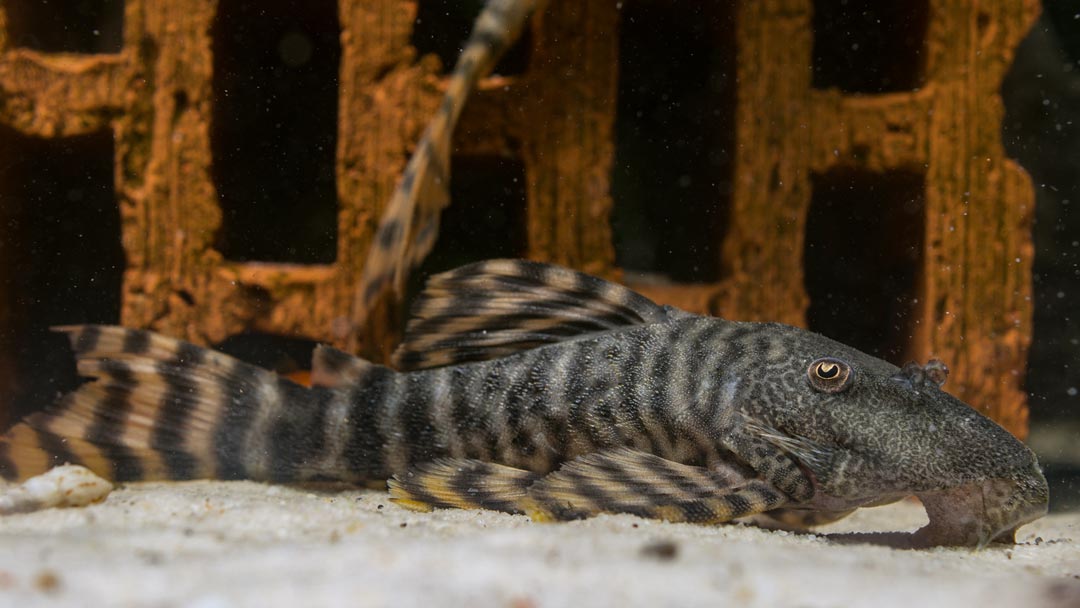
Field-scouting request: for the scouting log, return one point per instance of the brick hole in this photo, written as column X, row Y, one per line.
column 274, row 129
column 863, row 259
column 486, row 219
column 66, row 26
column 443, row 26
column 865, row 46
column 62, row 259
column 282, row 354
column 672, row 177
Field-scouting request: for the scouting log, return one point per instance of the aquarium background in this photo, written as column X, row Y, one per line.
column 68, row 264
column 1041, row 130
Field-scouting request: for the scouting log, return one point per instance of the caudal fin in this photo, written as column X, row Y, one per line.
column 157, row 408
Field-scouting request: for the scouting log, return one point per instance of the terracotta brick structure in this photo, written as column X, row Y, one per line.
column 795, row 140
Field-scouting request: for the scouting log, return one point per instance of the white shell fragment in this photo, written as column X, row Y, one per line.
column 63, row 486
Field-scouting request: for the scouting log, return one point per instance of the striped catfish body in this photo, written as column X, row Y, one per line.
column 534, row 389
column 536, row 409
column 601, row 381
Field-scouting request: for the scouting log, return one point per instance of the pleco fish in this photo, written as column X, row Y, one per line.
column 535, row 389
column 530, row 388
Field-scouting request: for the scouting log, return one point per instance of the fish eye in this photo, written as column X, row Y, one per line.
column 830, row 375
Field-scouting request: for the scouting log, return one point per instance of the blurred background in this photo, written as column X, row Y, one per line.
column 1042, row 132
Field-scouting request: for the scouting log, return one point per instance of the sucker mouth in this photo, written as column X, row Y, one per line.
column 977, row 513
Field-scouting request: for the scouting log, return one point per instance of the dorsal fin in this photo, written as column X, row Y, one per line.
column 500, row 307
column 332, row 368
column 409, row 225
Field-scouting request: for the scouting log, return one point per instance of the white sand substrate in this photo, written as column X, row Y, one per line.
column 223, row 544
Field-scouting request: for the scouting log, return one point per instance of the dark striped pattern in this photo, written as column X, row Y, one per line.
column 462, row 484
column 574, row 403
column 55, row 448
column 492, row 309
column 181, row 397
column 8, row 470
column 655, row 412
column 238, row 408
column 136, row 342
column 162, row 408
column 415, row 420
column 110, row 417
column 627, row 481
column 297, row 437
column 366, row 442
column 86, row 339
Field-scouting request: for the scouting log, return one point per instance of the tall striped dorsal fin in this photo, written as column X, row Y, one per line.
column 409, row 225
column 499, row 307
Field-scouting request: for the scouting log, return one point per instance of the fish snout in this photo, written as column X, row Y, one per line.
column 1029, row 500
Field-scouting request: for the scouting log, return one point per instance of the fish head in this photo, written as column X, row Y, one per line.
column 867, row 432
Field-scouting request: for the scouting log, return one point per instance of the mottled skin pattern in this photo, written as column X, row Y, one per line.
column 609, row 404
column 703, row 391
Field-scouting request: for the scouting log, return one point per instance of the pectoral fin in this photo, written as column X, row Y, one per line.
column 611, row 481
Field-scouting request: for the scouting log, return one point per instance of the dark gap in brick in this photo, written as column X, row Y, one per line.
column 863, row 259
column 866, row 46
column 1041, row 131
column 1060, row 17
column 66, row 26
column 282, row 354
column 274, row 134
column 443, row 26
column 62, row 257
column 486, row 218
column 675, row 137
